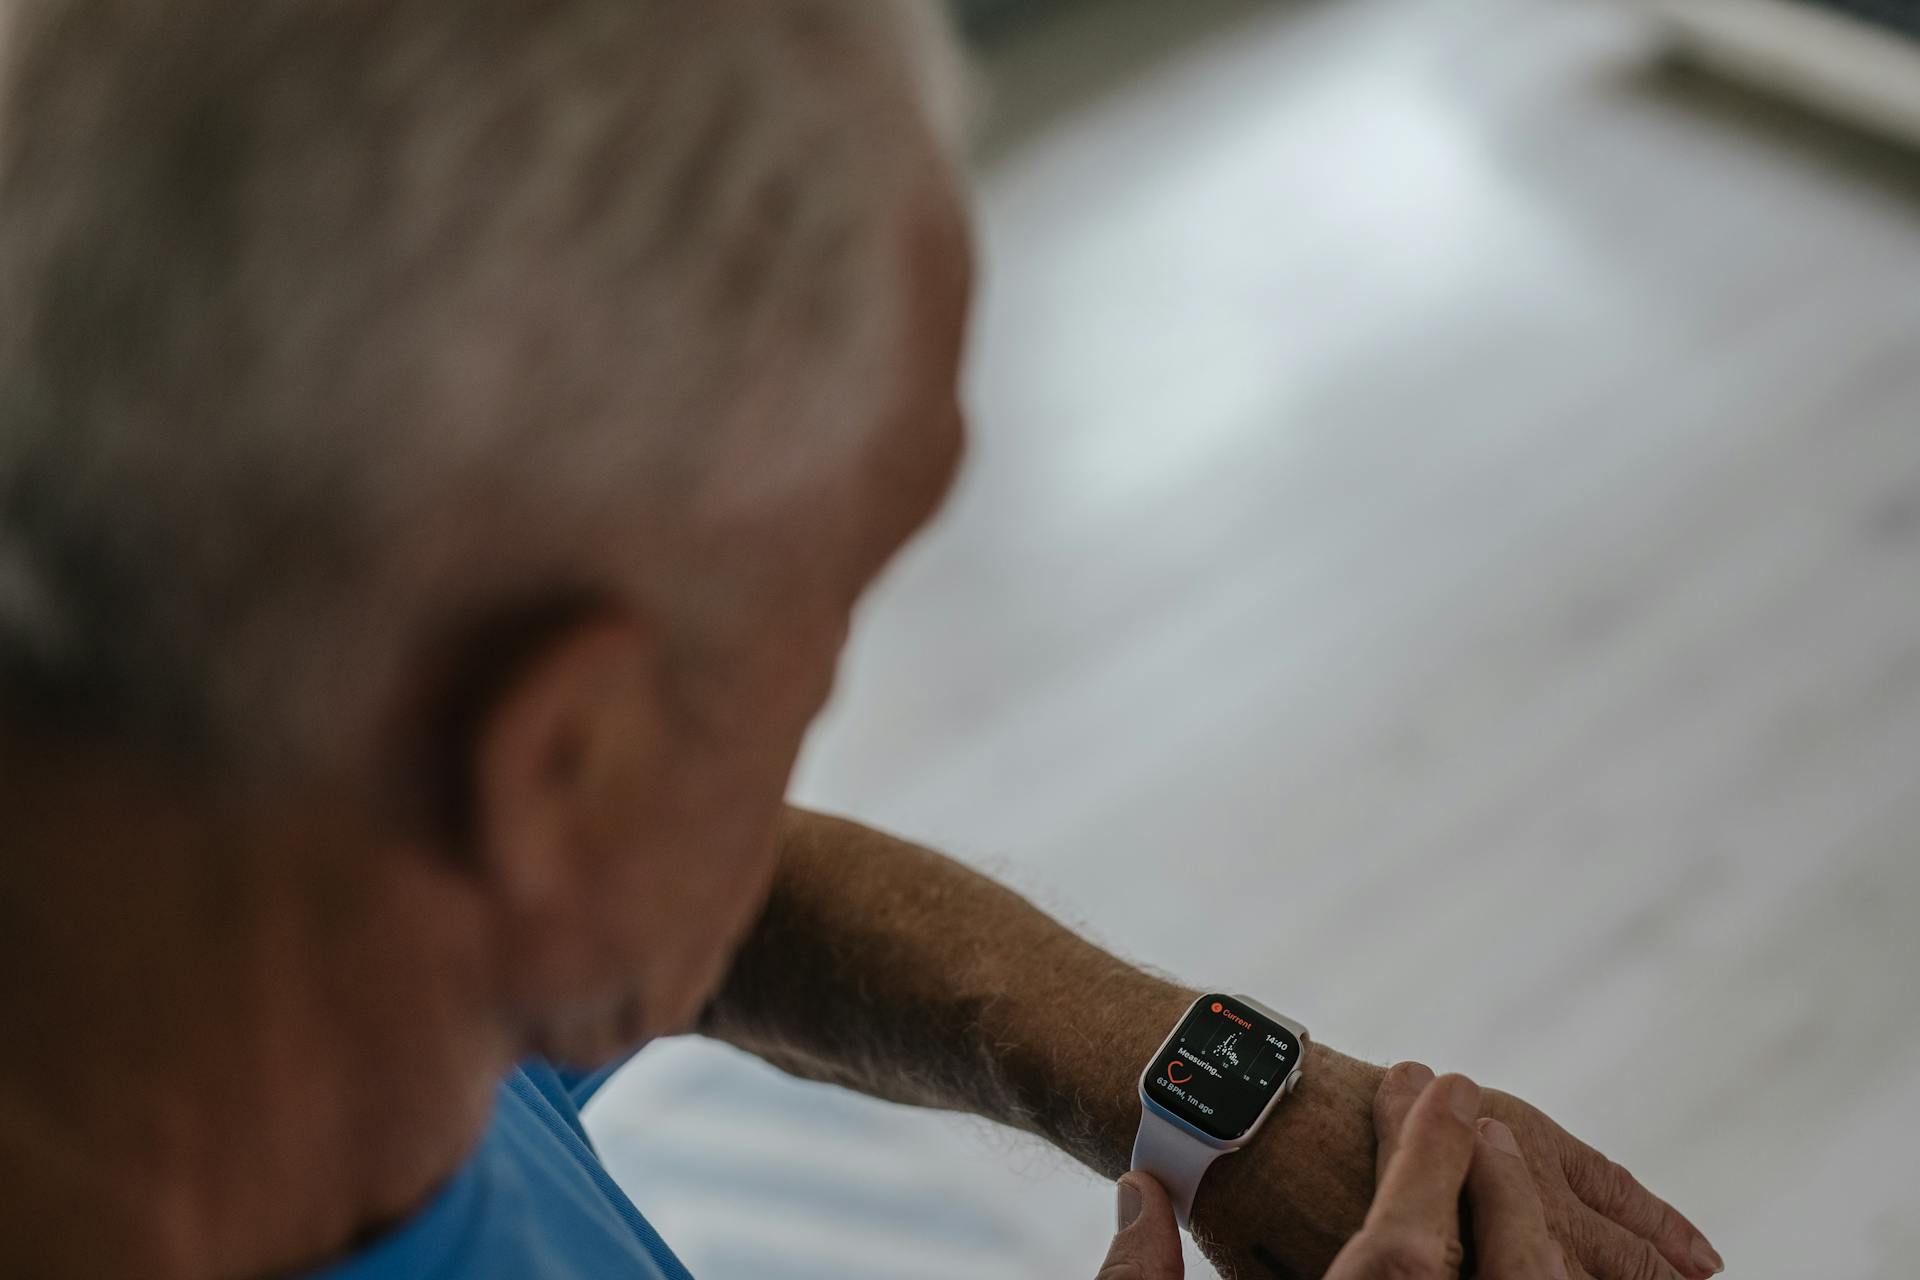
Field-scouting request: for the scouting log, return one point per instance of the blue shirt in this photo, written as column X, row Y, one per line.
column 533, row 1203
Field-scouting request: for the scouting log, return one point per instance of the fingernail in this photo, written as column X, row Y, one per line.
column 1409, row 1077
column 1464, row 1100
column 1499, row 1137
column 1706, row 1259
column 1130, row 1202
column 1559, row 1263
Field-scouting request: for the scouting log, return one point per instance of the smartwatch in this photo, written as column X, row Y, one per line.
column 1210, row 1088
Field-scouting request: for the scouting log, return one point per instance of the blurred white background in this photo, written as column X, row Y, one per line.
column 1441, row 551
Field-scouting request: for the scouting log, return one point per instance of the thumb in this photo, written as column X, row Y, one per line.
column 1148, row 1244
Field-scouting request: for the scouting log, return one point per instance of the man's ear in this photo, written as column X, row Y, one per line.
column 562, row 759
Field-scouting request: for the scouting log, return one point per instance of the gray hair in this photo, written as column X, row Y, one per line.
column 321, row 320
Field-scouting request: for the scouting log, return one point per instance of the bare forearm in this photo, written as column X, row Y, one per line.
column 890, row 969
column 896, row 971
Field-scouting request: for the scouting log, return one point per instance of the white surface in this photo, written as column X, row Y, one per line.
column 1448, row 489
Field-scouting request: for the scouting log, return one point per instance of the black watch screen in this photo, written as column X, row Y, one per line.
column 1221, row 1067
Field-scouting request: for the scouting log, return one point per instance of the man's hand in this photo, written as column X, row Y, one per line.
column 1269, row 1212
column 1432, row 1146
column 1147, row 1246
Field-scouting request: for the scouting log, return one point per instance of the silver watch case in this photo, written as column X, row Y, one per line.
column 1287, row 1086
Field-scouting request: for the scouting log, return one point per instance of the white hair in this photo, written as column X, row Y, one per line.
column 325, row 327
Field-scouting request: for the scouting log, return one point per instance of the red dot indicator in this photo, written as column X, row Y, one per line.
column 1216, row 1006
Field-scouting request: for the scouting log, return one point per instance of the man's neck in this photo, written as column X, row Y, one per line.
column 231, row 1053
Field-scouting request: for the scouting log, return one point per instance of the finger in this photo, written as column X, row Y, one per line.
column 1420, row 1189
column 1611, row 1252
column 1509, row 1227
column 1612, row 1192
column 1398, row 1092
column 1379, row 1255
column 1147, row 1245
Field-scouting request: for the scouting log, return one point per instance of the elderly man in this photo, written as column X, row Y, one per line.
column 440, row 448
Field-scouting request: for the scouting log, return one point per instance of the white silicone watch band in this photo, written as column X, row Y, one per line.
column 1174, row 1157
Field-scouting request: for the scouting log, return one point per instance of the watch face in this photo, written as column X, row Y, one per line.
column 1222, row 1066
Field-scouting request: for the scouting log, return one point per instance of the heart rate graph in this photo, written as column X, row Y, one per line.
column 1235, row 1052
